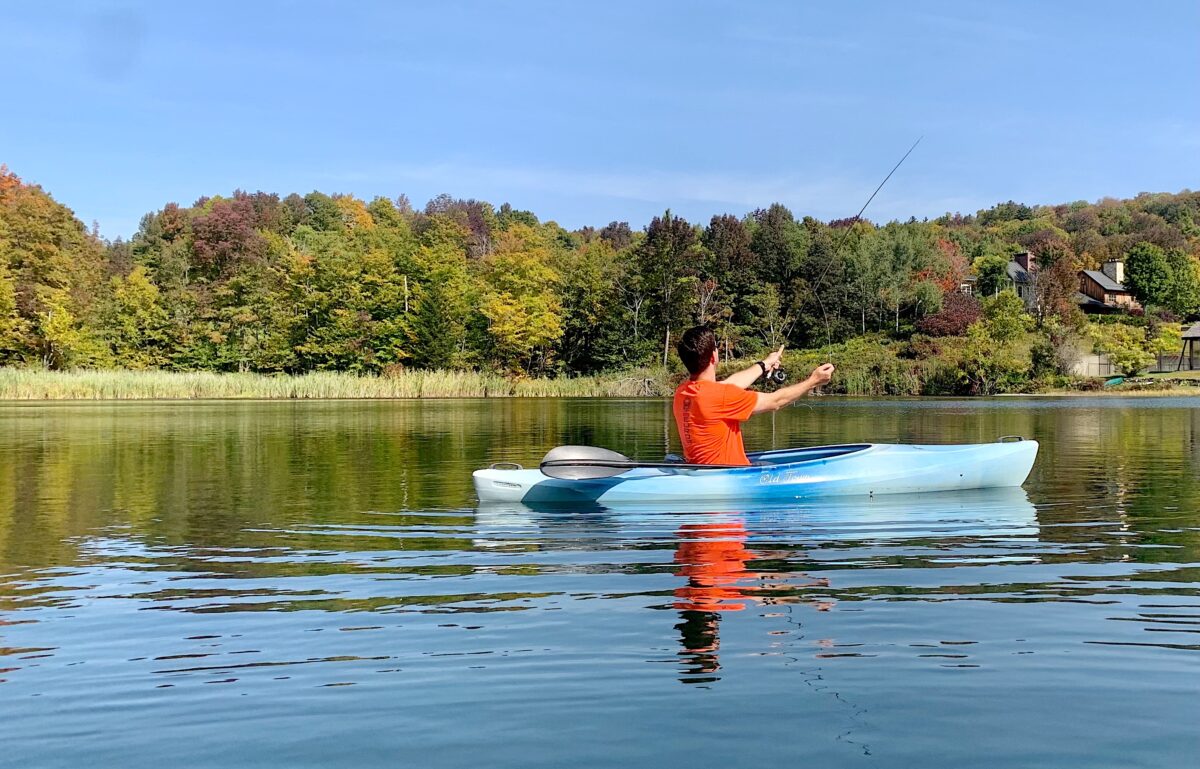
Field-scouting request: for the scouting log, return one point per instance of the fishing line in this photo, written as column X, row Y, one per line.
column 841, row 241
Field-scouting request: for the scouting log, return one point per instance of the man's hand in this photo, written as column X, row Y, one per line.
column 774, row 401
column 821, row 374
column 773, row 360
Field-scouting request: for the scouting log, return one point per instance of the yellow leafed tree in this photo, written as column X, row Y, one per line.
column 521, row 300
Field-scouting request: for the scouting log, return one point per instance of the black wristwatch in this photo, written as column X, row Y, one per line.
column 762, row 366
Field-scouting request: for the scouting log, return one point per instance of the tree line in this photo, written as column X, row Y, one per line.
column 260, row 282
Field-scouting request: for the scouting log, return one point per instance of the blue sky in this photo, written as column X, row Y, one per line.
column 590, row 112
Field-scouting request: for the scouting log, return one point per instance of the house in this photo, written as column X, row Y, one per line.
column 1104, row 291
column 1022, row 274
column 1100, row 291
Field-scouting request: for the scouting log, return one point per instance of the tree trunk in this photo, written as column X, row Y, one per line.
column 666, row 345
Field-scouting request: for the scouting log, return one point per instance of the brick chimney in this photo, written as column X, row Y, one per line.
column 1026, row 260
column 1115, row 270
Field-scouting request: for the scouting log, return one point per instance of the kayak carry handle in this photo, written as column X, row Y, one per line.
column 1010, row 439
column 505, row 466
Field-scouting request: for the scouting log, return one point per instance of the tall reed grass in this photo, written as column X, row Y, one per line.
column 117, row 384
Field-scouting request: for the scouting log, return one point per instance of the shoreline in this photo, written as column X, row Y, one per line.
column 117, row 385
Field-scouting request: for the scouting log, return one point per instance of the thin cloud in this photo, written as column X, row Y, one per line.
column 644, row 186
column 794, row 39
column 826, row 197
column 975, row 30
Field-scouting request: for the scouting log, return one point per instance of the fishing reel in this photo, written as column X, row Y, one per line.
column 778, row 376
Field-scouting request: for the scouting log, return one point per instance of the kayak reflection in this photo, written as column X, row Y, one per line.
column 728, row 563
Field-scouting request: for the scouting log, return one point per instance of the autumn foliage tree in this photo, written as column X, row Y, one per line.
column 957, row 314
column 53, row 271
column 520, row 298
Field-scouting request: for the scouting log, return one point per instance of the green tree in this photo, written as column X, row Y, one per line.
column 436, row 328
column 1183, row 295
column 904, row 252
column 1004, row 316
column 991, row 274
column 595, row 333
column 668, row 260
column 1148, row 274
column 136, row 321
column 779, row 243
column 770, row 319
column 62, row 341
column 442, row 311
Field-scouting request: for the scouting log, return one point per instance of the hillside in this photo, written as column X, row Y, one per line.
column 256, row 282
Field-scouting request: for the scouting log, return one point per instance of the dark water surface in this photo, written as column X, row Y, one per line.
column 312, row 584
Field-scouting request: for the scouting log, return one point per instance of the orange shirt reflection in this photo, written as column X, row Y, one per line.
column 713, row 558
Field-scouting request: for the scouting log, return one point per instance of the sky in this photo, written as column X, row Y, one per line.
column 590, row 112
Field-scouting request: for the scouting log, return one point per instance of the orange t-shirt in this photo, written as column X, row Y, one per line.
column 709, row 416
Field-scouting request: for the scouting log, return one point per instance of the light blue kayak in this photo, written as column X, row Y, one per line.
column 864, row 469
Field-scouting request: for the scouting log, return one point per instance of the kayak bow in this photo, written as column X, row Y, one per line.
column 774, row 476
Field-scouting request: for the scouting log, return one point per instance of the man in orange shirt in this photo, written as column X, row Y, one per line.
column 709, row 413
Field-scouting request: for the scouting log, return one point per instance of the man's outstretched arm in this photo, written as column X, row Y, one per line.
column 749, row 376
column 786, row 395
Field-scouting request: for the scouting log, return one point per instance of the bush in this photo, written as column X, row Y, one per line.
column 1125, row 346
column 991, row 365
column 921, row 347
column 1138, row 320
column 866, row 366
column 1132, row 347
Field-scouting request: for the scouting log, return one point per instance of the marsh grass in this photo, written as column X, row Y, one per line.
column 117, row 384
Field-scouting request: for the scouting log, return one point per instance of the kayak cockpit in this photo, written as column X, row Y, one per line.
column 792, row 456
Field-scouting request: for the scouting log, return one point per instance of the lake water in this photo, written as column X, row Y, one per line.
column 312, row 584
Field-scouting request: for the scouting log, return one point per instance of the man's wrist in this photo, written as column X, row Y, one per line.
column 763, row 366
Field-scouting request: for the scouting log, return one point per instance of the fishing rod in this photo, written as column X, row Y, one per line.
column 841, row 241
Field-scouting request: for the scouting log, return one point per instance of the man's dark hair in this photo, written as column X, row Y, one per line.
column 696, row 347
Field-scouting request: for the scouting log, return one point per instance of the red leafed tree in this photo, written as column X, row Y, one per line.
column 950, row 270
column 226, row 236
column 958, row 312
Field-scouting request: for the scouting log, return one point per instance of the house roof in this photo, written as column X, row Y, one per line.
column 1088, row 304
column 1017, row 273
column 1193, row 332
column 1105, row 282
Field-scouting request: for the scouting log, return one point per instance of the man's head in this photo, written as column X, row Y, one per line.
column 697, row 349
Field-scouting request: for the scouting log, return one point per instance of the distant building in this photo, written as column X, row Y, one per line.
column 1104, row 291
column 1022, row 274
column 1100, row 291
